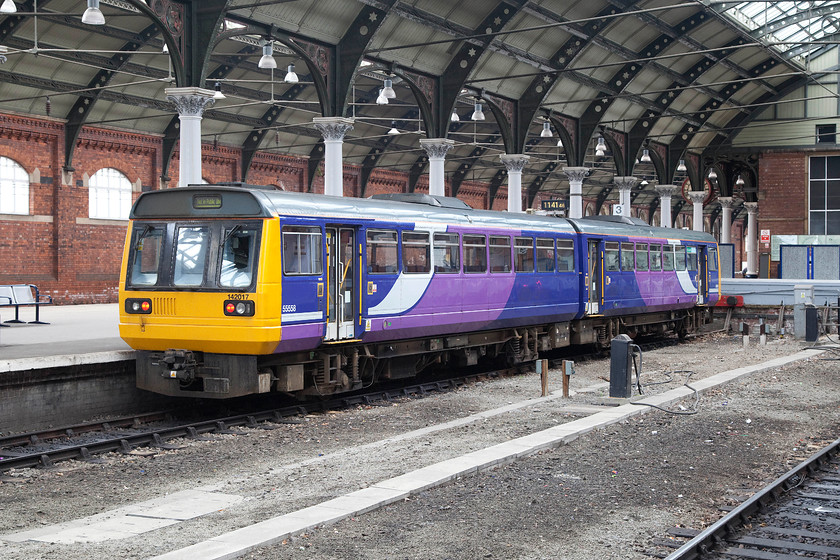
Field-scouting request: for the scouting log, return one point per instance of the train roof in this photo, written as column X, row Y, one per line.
column 254, row 201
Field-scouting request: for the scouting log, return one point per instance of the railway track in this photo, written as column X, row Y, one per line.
column 155, row 430
column 797, row 516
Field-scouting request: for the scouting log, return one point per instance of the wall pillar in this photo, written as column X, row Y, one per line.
column 514, row 164
column 726, row 204
column 624, row 185
column 752, row 239
column 697, row 198
column 191, row 102
column 576, row 176
column 665, row 194
column 333, row 130
column 436, row 149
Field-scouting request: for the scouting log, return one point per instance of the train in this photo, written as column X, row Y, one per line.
column 228, row 290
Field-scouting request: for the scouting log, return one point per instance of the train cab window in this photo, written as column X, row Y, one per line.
column 382, row 252
column 416, row 252
column 499, row 254
column 148, row 241
column 713, row 259
column 641, row 257
column 628, row 262
column 238, row 256
column 545, row 255
column 655, row 256
column 190, row 255
column 691, row 258
column 565, row 255
column 611, row 256
column 679, row 260
column 475, row 254
column 447, row 253
column 523, row 254
column 302, row 250
column 668, row 257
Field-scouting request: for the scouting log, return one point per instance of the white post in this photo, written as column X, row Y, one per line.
column 752, row 239
column 726, row 204
column 576, row 176
column 333, row 130
column 665, row 194
column 697, row 198
column 625, row 185
column 191, row 102
column 436, row 149
column 514, row 164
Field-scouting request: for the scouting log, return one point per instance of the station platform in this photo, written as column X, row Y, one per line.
column 76, row 334
column 769, row 292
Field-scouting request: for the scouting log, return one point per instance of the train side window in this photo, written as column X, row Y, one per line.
column 691, row 258
column 499, row 253
column 190, row 255
column 382, row 252
column 611, row 256
column 713, row 259
column 679, row 251
column 668, row 257
column 238, row 254
column 302, row 250
column 628, row 263
column 655, row 256
column 565, row 255
column 148, row 241
column 523, row 254
column 475, row 254
column 641, row 257
column 545, row 255
column 447, row 253
column 416, row 252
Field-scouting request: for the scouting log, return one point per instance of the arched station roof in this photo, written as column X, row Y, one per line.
column 679, row 79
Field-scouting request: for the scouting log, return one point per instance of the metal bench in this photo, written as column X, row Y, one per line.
column 18, row 295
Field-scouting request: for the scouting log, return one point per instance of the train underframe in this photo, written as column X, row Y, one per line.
column 340, row 368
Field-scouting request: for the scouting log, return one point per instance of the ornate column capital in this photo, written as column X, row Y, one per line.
column 726, row 201
column 333, row 128
column 625, row 183
column 666, row 190
column 751, row 207
column 576, row 173
column 190, row 101
column 697, row 197
column 437, row 147
column 514, row 162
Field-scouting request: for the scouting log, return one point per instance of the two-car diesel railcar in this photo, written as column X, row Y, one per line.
column 231, row 290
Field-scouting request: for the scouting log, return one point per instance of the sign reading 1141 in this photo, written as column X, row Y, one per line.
column 553, row 204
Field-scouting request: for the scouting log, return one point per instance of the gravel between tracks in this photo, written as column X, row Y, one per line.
column 605, row 495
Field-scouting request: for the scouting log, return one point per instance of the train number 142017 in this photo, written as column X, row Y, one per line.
column 237, row 296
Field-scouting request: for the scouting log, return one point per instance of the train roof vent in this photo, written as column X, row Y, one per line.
column 420, row 198
column 617, row 219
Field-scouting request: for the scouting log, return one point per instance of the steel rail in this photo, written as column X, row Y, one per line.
column 703, row 544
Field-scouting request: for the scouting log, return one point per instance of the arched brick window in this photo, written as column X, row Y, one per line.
column 14, row 187
column 110, row 195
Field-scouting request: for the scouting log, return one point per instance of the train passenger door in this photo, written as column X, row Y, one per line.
column 341, row 272
column 702, row 275
column 594, row 277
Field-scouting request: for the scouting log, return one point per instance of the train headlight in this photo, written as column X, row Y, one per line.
column 141, row 306
column 239, row 308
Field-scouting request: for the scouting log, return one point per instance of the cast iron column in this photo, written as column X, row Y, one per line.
column 665, row 194
column 625, row 185
column 333, row 130
column 752, row 240
column 514, row 164
column 191, row 102
column 697, row 198
column 437, row 148
column 726, row 204
column 576, row 176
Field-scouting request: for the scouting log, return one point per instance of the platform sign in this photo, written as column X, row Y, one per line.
column 765, row 236
column 553, row 205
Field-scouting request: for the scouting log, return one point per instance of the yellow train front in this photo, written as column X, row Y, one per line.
column 198, row 299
